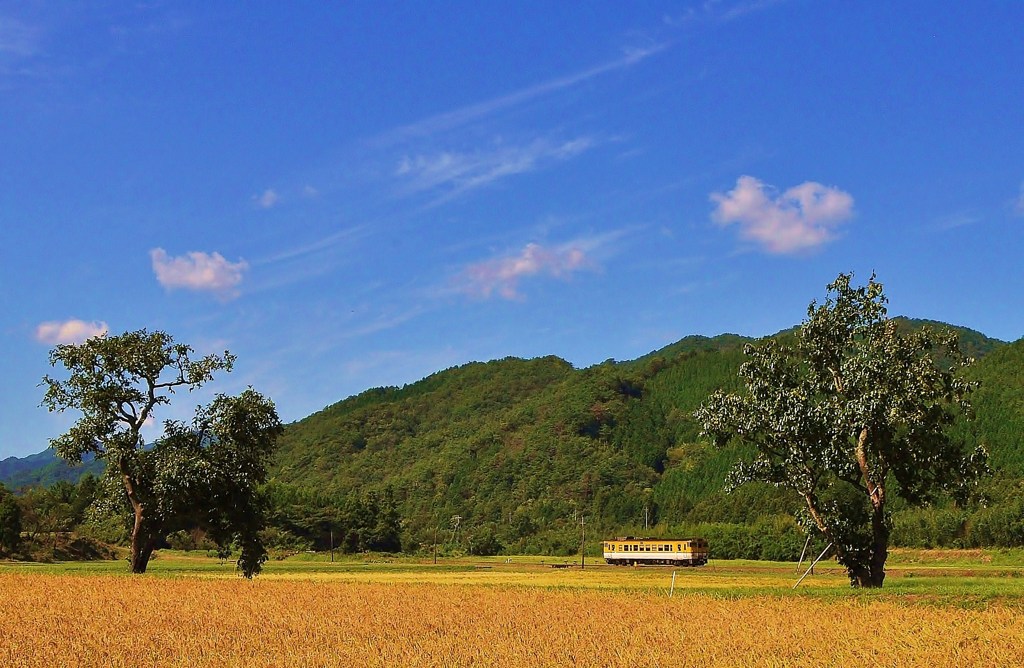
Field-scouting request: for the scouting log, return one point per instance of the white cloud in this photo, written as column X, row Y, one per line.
column 801, row 218
column 267, row 199
column 202, row 272
column 69, row 331
column 456, row 173
column 502, row 275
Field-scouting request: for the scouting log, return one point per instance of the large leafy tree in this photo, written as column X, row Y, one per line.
column 202, row 473
column 853, row 412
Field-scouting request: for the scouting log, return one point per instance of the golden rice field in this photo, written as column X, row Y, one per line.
column 50, row 619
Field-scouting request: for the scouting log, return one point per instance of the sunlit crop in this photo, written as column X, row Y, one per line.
column 67, row 620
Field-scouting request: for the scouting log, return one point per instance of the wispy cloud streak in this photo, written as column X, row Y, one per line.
column 456, row 173
column 17, row 40
column 322, row 245
column 720, row 11
column 460, row 117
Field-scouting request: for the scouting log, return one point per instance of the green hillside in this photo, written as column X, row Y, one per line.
column 513, row 447
column 519, row 449
column 999, row 408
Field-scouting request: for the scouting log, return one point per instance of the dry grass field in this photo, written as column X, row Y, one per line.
column 483, row 619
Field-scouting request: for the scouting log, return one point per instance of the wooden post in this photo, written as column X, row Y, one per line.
column 812, row 565
column 803, row 552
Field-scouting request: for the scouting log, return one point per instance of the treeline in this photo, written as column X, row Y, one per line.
column 66, row 520
column 300, row 520
column 61, row 522
column 42, row 522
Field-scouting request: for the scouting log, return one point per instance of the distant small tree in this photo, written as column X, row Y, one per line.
column 854, row 412
column 202, row 473
column 10, row 521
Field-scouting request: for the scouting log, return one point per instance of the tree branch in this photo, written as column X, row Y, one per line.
column 875, row 491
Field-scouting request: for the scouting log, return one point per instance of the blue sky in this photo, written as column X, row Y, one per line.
column 349, row 195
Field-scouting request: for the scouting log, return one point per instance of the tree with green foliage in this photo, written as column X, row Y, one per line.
column 202, row 473
column 10, row 521
column 853, row 412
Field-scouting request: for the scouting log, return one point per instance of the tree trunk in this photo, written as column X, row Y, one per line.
column 143, row 537
column 879, row 546
column 872, row 573
column 143, row 543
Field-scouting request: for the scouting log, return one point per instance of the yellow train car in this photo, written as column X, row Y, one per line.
column 630, row 551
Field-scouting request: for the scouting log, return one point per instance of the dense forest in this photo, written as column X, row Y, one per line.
column 513, row 455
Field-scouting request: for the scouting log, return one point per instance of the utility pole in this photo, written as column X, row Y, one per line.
column 332, row 545
column 454, row 523
column 583, row 543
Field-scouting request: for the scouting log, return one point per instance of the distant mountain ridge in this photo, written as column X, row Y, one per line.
column 43, row 469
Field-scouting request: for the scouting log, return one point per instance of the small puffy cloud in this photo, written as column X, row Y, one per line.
column 267, row 199
column 501, row 275
column 69, row 331
column 202, row 272
column 801, row 218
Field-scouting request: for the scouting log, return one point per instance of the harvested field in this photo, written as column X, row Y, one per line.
column 99, row 620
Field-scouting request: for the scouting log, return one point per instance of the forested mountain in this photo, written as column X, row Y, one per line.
column 518, row 450
column 513, row 453
column 43, row 469
column 999, row 408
